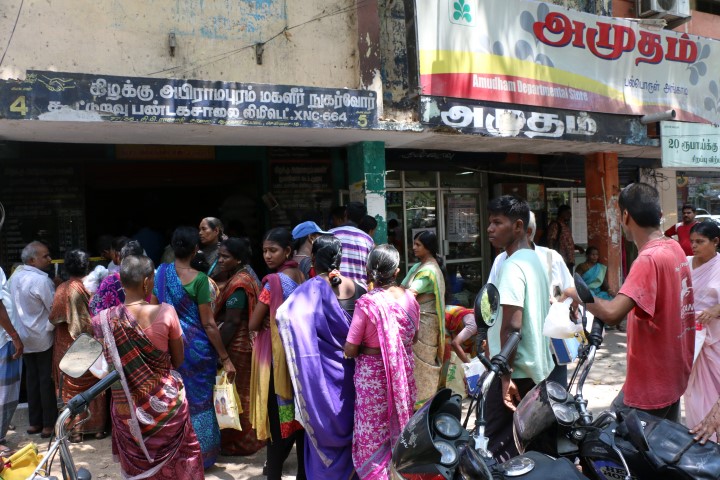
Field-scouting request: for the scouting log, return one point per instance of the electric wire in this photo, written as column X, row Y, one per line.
column 12, row 33
column 181, row 69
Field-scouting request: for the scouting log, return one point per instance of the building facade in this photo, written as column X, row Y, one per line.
column 127, row 115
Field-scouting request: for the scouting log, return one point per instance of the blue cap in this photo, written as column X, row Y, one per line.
column 306, row 228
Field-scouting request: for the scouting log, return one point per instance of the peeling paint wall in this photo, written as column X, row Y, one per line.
column 312, row 42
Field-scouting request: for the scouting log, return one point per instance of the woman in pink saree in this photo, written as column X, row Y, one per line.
column 704, row 385
column 383, row 330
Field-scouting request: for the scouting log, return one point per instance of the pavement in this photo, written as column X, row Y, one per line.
column 601, row 387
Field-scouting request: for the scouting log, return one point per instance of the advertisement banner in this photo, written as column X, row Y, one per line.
column 689, row 145
column 58, row 96
column 531, row 53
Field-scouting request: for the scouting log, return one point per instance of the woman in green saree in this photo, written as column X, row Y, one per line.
column 426, row 280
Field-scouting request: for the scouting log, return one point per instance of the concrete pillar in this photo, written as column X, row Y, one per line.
column 366, row 173
column 602, row 188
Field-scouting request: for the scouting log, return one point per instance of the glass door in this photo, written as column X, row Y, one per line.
column 463, row 244
column 420, row 214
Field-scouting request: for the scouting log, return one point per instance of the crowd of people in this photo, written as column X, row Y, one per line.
column 330, row 352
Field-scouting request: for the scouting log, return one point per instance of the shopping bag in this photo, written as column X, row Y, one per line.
column 455, row 379
column 21, row 464
column 473, row 371
column 227, row 402
column 557, row 322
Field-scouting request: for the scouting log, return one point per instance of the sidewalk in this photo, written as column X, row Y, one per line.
column 605, row 380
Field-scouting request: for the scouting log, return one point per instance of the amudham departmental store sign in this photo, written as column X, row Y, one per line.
column 531, row 53
column 81, row 97
column 500, row 120
column 689, row 145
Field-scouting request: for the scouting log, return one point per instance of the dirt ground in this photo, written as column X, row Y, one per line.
column 604, row 382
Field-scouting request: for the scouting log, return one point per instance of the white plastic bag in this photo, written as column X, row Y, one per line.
column 473, row 371
column 557, row 321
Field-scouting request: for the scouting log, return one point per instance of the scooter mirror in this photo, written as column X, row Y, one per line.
column 81, row 355
column 487, row 306
column 582, row 289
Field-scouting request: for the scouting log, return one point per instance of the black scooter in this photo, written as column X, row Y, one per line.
column 435, row 445
column 635, row 446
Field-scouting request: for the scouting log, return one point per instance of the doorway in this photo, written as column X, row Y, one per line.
column 449, row 205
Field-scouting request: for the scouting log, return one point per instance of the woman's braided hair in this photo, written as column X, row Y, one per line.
column 327, row 252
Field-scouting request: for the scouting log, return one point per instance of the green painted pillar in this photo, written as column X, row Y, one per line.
column 366, row 173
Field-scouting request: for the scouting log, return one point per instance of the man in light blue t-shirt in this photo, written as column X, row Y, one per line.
column 523, row 286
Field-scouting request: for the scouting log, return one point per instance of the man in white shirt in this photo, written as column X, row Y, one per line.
column 32, row 294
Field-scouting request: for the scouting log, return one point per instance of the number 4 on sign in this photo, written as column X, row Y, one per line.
column 18, row 106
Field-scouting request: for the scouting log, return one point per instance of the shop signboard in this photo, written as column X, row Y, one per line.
column 689, row 145
column 531, row 53
column 81, row 97
column 501, row 120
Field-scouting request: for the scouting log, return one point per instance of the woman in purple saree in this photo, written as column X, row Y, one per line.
column 383, row 329
column 314, row 325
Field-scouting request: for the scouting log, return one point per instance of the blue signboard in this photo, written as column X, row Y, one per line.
column 82, row 97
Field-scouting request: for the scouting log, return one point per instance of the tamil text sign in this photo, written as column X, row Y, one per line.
column 525, row 52
column 82, row 97
column 689, row 145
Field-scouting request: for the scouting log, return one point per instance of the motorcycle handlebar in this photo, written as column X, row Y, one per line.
column 80, row 402
column 596, row 334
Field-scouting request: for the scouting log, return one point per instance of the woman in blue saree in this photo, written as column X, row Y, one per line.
column 594, row 274
column 188, row 290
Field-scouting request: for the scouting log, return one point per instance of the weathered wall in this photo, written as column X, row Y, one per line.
column 703, row 24
column 309, row 42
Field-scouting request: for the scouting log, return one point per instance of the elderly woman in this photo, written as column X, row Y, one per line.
column 426, row 280
column 71, row 317
column 188, row 290
column 238, row 297
column 152, row 435
column 383, row 330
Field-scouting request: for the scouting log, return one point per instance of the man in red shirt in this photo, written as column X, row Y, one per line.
column 657, row 298
column 682, row 230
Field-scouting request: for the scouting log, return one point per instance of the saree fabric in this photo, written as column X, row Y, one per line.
column 71, row 317
column 152, row 436
column 384, row 384
column 704, row 384
column 594, row 278
column 109, row 294
column 269, row 355
column 429, row 350
column 313, row 327
column 245, row 442
column 10, row 374
column 199, row 368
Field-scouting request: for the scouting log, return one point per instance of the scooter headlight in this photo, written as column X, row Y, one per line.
column 449, row 454
column 447, row 425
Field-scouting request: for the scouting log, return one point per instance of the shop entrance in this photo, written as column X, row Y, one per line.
column 451, row 206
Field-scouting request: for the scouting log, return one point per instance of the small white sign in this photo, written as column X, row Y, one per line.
column 690, row 145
